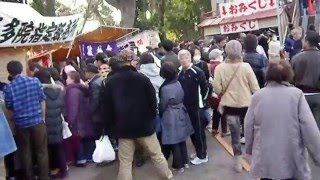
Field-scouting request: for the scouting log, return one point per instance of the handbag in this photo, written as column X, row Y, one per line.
column 66, row 133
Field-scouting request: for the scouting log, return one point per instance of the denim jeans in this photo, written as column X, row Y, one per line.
column 86, row 150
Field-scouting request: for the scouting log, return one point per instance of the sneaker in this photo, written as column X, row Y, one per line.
column 197, row 161
column 181, row 170
column 224, row 134
column 192, row 156
column 186, row 166
column 243, row 140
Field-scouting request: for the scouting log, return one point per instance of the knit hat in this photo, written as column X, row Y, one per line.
column 92, row 68
column 215, row 53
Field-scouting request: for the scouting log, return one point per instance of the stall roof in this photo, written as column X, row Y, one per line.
column 104, row 34
column 219, row 20
column 100, row 34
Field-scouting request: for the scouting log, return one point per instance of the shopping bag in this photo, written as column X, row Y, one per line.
column 66, row 133
column 104, row 150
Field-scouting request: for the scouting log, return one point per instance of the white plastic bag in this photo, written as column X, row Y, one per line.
column 65, row 130
column 66, row 133
column 104, row 150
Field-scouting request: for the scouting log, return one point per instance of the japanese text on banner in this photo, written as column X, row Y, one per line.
column 14, row 32
column 237, row 27
column 245, row 7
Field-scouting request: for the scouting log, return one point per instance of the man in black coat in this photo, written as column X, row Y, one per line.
column 129, row 107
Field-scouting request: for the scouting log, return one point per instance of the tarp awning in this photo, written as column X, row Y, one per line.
column 104, row 34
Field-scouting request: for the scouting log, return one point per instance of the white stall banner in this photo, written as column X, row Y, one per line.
column 242, row 26
column 245, row 7
column 34, row 29
column 141, row 40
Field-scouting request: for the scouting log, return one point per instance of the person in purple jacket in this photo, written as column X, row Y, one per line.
column 79, row 119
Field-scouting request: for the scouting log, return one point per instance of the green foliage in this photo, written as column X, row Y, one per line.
column 99, row 10
column 180, row 17
column 39, row 5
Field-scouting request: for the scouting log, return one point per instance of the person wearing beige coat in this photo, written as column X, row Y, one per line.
column 235, row 81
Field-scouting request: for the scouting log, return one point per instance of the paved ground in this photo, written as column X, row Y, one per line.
column 219, row 167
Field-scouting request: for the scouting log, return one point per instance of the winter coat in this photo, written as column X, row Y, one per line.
column 128, row 104
column 152, row 71
column 54, row 109
column 279, row 129
column 306, row 66
column 78, row 110
column 258, row 64
column 175, row 122
column 292, row 46
column 240, row 90
column 94, row 88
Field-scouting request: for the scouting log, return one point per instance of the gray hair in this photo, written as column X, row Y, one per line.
column 184, row 52
column 234, row 50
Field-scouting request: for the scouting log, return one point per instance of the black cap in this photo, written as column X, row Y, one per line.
column 92, row 68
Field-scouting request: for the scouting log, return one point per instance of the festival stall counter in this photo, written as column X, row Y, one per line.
column 24, row 33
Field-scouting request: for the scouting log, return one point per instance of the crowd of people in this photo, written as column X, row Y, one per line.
column 264, row 96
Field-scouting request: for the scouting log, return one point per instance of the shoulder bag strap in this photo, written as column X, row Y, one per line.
column 233, row 76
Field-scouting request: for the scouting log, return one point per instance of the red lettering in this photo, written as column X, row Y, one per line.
column 140, row 42
column 242, row 7
column 233, row 9
column 260, row 4
column 226, row 28
column 224, row 11
column 272, row 3
column 252, row 5
column 234, row 27
column 243, row 25
column 252, row 24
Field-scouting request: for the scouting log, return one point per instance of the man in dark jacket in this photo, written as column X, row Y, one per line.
column 129, row 107
column 293, row 44
column 170, row 56
column 257, row 61
column 306, row 66
column 94, row 83
column 194, row 84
